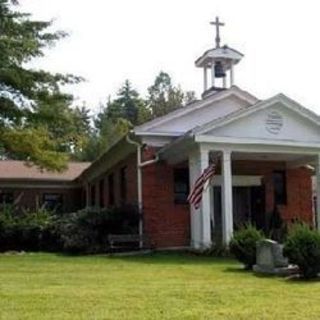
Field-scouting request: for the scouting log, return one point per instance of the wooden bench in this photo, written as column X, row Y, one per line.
column 125, row 241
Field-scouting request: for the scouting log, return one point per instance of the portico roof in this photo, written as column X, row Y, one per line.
column 295, row 127
column 279, row 98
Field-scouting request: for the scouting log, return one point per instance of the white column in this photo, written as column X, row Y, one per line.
column 205, row 79
column 205, row 204
column 231, row 75
column 195, row 217
column 227, row 207
column 213, row 75
column 318, row 192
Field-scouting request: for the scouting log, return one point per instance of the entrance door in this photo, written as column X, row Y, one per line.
column 258, row 211
column 241, row 206
column 248, row 206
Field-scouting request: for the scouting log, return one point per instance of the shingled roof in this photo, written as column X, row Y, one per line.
column 19, row 170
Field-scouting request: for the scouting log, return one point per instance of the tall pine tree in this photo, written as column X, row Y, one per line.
column 30, row 99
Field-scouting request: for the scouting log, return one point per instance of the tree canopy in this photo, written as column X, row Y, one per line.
column 36, row 121
column 129, row 109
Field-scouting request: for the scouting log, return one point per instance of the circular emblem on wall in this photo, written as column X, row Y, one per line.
column 274, row 122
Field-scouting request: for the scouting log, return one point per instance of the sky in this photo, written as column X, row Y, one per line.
column 113, row 40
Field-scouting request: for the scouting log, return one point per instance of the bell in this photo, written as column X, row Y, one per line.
column 218, row 70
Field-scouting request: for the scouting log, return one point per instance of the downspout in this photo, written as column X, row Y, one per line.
column 140, row 165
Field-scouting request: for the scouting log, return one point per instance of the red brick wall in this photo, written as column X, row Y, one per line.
column 299, row 193
column 131, row 164
column 166, row 223
column 299, row 187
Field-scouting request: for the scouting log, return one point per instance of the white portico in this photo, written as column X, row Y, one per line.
column 292, row 138
column 251, row 140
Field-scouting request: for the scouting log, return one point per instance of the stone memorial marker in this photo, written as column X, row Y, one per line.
column 270, row 259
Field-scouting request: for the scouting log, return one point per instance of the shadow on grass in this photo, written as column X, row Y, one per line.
column 237, row 269
column 174, row 258
column 296, row 279
column 152, row 258
column 292, row 279
column 242, row 270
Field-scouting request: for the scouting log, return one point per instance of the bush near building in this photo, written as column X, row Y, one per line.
column 302, row 248
column 243, row 245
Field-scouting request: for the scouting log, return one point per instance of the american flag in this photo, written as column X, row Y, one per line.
column 195, row 195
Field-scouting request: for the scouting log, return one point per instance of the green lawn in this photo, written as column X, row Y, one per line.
column 159, row 286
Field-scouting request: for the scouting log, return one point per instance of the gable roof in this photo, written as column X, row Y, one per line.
column 19, row 170
column 150, row 126
column 200, row 131
column 279, row 98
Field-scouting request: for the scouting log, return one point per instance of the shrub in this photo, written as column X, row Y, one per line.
column 243, row 245
column 302, row 248
column 87, row 230
column 26, row 230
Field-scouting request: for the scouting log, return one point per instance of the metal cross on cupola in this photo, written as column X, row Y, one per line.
column 218, row 24
column 220, row 61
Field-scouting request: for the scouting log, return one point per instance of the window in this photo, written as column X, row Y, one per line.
column 52, row 201
column 111, row 189
column 280, row 187
column 181, row 185
column 6, row 198
column 93, row 195
column 123, row 184
column 101, row 193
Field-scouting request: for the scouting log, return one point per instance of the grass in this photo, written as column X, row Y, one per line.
column 159, row 286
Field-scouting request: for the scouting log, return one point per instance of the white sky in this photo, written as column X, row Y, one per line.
column 112, row 40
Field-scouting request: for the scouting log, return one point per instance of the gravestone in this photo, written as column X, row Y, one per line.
column 270, row 259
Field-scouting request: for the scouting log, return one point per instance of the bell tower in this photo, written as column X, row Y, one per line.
column 219, row 62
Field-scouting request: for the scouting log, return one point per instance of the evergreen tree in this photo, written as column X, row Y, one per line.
column 127, row 104
column 31, row 99
column 128, row 109
column 163, row 96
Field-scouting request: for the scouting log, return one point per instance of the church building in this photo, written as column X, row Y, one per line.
column 266, row 153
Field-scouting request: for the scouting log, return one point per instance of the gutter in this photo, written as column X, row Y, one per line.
column 140, row 165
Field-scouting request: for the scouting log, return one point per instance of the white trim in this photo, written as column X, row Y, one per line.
column 158, row 133
column 248, row 141
column 241, row 113
column 238, row 181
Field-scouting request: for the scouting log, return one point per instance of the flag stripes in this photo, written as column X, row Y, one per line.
column 195, row 195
